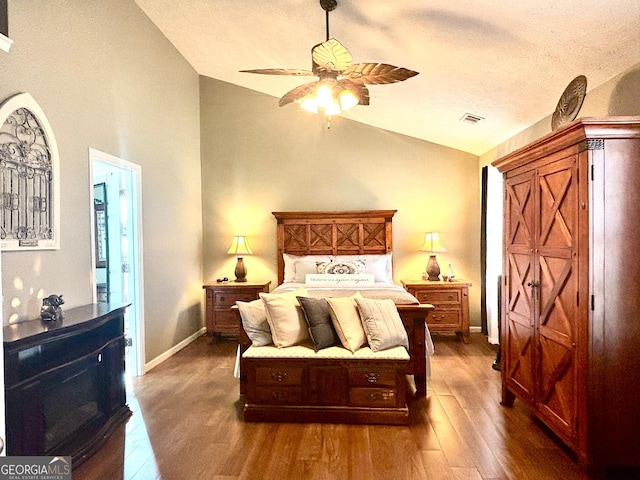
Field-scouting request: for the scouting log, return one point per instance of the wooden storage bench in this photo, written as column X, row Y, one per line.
column 297, row 384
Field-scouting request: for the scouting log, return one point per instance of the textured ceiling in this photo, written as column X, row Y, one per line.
column 506, row 61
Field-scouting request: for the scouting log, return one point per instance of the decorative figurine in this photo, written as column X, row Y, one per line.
column 50, row 310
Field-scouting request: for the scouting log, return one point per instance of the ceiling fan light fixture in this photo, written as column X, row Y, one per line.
column 342, row 84
column 348, row 100
column 329, row 99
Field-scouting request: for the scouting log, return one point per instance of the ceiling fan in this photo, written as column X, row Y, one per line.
column 341, row 84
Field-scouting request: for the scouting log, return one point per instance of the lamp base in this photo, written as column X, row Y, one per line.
column 433, row 269
column 241, row 271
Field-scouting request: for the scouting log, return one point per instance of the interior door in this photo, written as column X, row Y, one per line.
column 518, row 352
column 557, row 288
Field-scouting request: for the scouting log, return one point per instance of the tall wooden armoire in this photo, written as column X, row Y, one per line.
column 571, row 286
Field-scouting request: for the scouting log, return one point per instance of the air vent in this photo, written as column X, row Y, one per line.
column 471, row 118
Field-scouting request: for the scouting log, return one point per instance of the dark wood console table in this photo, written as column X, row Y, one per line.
column 64, row 382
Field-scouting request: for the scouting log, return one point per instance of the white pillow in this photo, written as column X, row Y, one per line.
column 378, row 265
column 346, row 321
column 254, row 322
column 382, row 323
column 302, row 268
column 285, row 317
column 309, row 261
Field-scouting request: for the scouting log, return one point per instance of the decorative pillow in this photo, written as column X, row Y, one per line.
column 382, row 324
column 346, row 320
column 318, row 317
column 378, row 265
column 285, row 317
column 343, row 268
column 254, row 322
column 290, row 265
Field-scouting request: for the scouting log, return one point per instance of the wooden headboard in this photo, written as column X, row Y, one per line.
column 355, row 232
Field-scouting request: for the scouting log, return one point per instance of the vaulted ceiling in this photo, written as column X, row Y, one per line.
column 505, row 61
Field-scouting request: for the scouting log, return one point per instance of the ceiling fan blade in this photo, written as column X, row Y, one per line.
column 358, row 88
column 377, row 73
column 330, row 56
column 281, row 71
column 297, row 93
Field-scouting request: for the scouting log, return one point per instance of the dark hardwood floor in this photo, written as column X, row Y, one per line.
column 187, row 424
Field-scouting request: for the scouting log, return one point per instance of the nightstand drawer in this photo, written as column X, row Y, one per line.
column 226, row 320
column 221, row 296
column 450, row 301
column 439, row 296
column 223, row 299
column 441, row 316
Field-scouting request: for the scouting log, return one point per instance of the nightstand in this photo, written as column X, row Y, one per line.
column 450, row 301
column 220, row 319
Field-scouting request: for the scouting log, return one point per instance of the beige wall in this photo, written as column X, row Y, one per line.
column 106, row 78
column 258, row 158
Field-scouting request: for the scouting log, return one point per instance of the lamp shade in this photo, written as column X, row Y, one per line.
column 240, row 246
column 432, row 243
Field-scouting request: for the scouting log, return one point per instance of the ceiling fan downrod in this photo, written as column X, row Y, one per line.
column 328, row 6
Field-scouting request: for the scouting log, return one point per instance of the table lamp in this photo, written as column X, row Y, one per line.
column 240, row 247
column 432, row 245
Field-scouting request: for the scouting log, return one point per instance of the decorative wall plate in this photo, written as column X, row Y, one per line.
column 570, row 102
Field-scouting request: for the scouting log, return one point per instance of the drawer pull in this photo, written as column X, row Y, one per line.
column 279, row 376
column 279, row 395
column 450, row 297
column 222, row 299
column 377, row 396
column 371, row 377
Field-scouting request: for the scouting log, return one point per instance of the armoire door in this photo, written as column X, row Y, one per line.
column 518, row 339
column 556, row 286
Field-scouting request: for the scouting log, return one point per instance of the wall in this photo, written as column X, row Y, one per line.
column 618, row 96
column 107, row 78
column 258, row 158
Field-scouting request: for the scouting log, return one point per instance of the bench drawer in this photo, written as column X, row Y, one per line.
column 373, row 397
column 279, row 375
column 277, row 395
column 371, row 377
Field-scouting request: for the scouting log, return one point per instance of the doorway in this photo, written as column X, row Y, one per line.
column 117, row 246
column 491, row 260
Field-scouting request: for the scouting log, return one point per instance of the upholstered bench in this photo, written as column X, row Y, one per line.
column 333, row 385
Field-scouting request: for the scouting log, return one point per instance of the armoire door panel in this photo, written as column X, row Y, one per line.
column 518, row 292
column 557, row 194
column 518, row 358
column 556, row 395
column 519, row 202
column 558, row 297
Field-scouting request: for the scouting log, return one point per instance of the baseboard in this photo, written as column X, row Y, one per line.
column 475, row 329
column 173, row 350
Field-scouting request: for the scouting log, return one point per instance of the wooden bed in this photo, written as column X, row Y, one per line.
column 357, row 232
column 348, row 233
